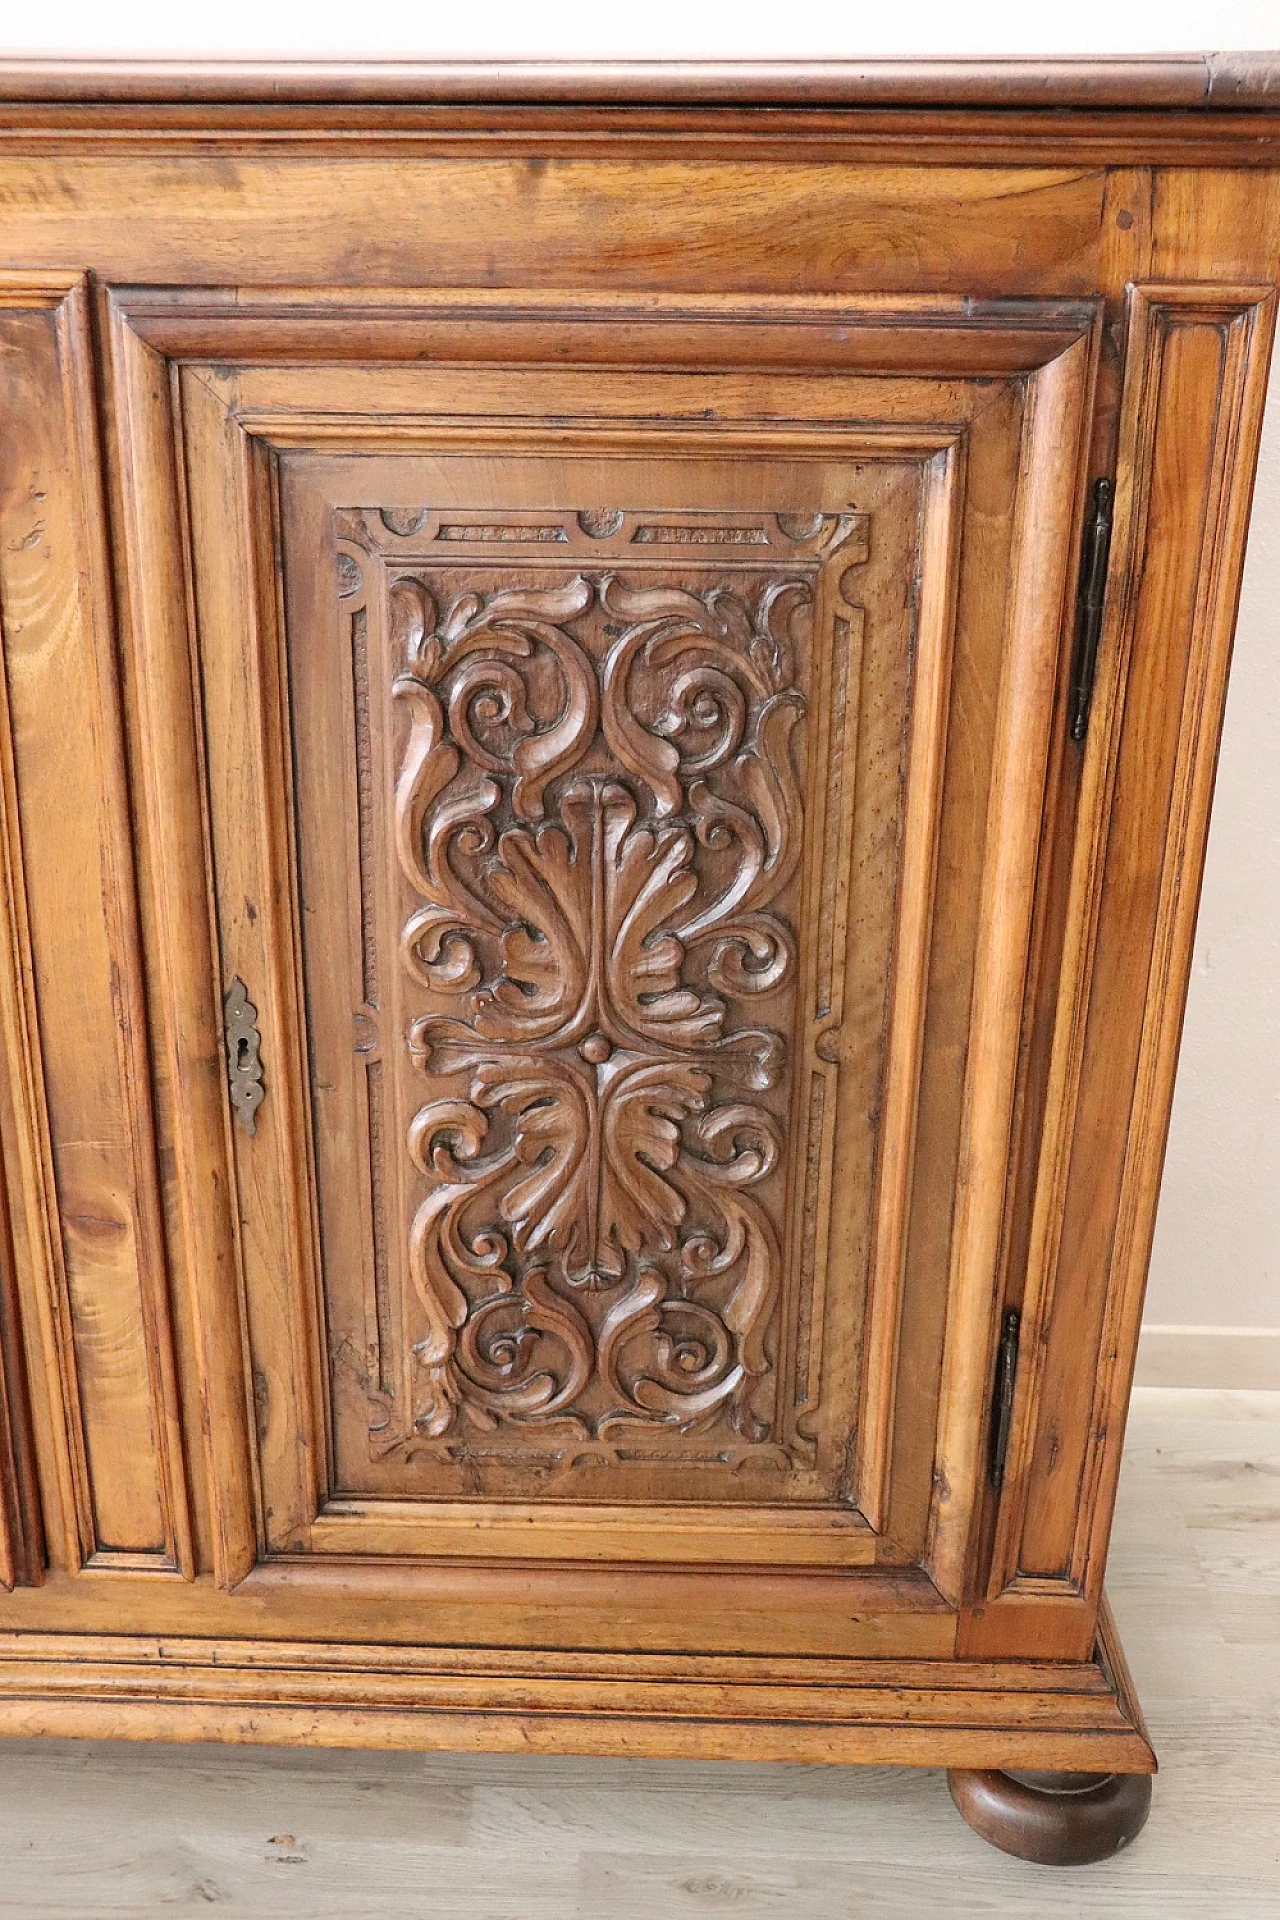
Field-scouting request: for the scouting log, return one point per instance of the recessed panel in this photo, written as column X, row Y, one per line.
column 599, row 812
column 90, row 1281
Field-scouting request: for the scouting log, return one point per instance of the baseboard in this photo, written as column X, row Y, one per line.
column 1246, row 1357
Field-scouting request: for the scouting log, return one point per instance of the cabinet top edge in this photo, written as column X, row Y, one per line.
column 1223, row 82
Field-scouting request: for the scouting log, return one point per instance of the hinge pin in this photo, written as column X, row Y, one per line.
column 1002, row 1394
column 1095, row 551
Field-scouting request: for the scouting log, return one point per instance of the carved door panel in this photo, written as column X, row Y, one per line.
column 610, row 774
column 610, row 801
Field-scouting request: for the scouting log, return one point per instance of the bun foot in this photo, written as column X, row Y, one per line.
column 1055, row 1819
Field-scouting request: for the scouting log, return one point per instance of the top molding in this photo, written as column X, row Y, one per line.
column 1240, row 82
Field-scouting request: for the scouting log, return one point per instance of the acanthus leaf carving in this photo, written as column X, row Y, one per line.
column 598, row 817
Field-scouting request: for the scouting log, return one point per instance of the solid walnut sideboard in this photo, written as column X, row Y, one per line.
column 611, row 688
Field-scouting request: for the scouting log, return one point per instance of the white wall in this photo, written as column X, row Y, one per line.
column 658, row 29
column 1217, row 1250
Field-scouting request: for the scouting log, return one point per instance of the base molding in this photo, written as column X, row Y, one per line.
column 963, row 1713
column 1240, row 1358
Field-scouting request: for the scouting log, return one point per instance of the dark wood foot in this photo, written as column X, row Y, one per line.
column 1055, row 1819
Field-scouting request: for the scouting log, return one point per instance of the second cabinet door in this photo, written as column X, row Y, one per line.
column 622, row 742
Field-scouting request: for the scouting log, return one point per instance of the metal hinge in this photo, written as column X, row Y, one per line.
column 1002, row 1394
column 1095, row 551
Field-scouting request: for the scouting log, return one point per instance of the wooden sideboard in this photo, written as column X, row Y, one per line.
column 611, row 688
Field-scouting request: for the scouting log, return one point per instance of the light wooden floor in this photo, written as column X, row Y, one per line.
column 124, row 1830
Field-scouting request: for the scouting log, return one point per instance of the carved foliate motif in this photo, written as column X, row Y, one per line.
column 598, row 820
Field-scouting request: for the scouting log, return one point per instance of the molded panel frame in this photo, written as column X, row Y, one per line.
column 84, row 1208
column 176, row 356
column 1194, row 385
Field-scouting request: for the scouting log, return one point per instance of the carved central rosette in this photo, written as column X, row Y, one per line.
column 598, row 815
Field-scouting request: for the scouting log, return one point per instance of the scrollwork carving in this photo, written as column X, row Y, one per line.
column 597, row 825
column 598, row 805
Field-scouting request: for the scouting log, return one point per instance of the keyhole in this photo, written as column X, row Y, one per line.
column 242, row 1056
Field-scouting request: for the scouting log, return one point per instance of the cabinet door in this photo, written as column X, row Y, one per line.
column 617, row 749
column 92, row 1469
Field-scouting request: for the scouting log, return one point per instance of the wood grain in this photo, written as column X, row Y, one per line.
column 337, row 1696
column 1174, row 80
column 939, row 568
column 184, row 975
column 665, row 222
column 560, row 582
column 1197, row 360
column 1037, row 607
column 98, row 1289
column 21, row 1526
column 267, row 401
column 1109, row 112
